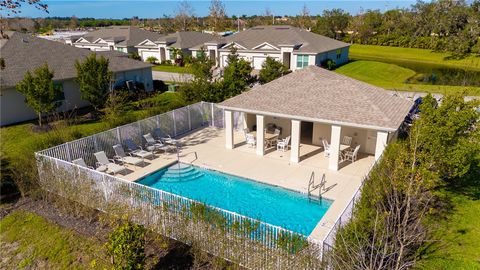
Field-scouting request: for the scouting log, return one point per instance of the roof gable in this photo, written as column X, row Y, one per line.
column 147, row 42
column 265, row 46
column 233, row 45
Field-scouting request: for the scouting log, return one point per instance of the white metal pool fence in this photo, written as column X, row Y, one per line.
column 249, row 242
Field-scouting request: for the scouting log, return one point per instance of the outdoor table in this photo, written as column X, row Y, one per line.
column 268, row 137
column 343, row 149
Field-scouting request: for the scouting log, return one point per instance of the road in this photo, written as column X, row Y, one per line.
column 171, row 77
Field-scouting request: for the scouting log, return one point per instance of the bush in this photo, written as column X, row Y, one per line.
column 126, row 246
column 152, row 60
column 329, row 64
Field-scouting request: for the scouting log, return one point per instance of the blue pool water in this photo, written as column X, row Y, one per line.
column 274, row 205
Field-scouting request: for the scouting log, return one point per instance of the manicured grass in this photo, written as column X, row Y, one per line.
column 28, row 240
column 393, row 77
column 174, row 69
column 380, row 53
column 459, row 246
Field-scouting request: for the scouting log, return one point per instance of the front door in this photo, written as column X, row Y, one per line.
column 162, row 55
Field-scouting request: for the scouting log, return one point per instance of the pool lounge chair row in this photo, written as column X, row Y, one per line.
column 135, row 154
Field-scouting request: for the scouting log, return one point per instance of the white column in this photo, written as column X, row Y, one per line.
column 295, row 139
column 334, row 148
column 260, row 135
column 382, row 140
column 228, row 115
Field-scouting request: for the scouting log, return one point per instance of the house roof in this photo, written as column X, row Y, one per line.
column 184, row 40
column 23, row 52
column 283, row 35
column 316, row 94
column 121, row 35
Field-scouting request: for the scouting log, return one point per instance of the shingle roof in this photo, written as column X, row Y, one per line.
column 184, row 40
column 122, row 35
column 23, row 52
column 317, row 94
column 278, row 35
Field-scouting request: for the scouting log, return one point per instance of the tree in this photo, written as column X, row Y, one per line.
column 152, row 59
column 73, row 23
column 237, row 75
column 184, row 15
column 271, row 70
column 304, row 20
column 39, row 91
column 333, row 23
column 14, row 6
column 216, row 18
column 201, row 88
column 94, row 78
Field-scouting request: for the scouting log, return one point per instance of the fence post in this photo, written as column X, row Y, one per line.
column 189, row 118
column 95, row 143
column 69, row 153
column 157, row 118
column 118, row 135
column 140, row 131
column 213, row 115
column 174, row 124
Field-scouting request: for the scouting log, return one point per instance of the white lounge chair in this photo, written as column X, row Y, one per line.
column 283, row 144
column 135, row 150
column 155, row 145
column 326, row 148
column 80, row 162
column 109, row 164
column 251, row 141
column 123, row 158
column 352, row 155
column 346, row 140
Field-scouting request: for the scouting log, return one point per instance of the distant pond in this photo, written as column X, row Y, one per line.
column 435, row 73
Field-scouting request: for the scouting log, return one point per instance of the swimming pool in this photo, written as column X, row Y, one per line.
column 277, row 206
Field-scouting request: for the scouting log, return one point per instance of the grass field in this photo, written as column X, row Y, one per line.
column 393, row 77
column 174, row 69
column 459, row 245
column 371, row 52
column 30, row 241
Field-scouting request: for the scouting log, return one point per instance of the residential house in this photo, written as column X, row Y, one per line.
column 112, row 38
column 22, row 53
column 161, row 48
column 314, row 106
column 294, row 47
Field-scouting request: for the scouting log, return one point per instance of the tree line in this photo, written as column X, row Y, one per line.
column 440, row 25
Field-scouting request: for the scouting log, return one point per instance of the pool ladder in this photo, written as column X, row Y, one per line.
column 312, row 188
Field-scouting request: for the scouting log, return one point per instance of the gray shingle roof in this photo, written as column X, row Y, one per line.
column 122, row 35
column 277, row 35
column 185, row 40
column 24, row 52
column 317, row 94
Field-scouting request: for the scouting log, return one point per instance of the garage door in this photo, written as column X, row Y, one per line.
column 146, row 54
column 258, row 62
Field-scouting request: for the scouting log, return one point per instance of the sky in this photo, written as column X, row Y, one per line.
column 158, row 8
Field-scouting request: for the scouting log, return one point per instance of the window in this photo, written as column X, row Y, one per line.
column 61, row 95
column 339, row 53
column 302, row 61
column 171, row 54
column 200, row 54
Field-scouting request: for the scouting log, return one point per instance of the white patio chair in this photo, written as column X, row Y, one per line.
column 277, row 132
column 106, row 164
column 155, row 145
column 326, row 148
column 283, row 144
column 251, row 141
column 80, row 162
column 135, row 150
column 245, row 132
column 346, row 140
column 123, row 158
column 352, row 155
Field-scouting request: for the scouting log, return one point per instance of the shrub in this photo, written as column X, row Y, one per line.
column 152, row 59
column 329, row 64
column 126, row 246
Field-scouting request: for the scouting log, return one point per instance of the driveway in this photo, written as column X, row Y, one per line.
column 171, row 77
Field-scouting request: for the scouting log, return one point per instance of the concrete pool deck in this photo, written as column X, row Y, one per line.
column 206, row 148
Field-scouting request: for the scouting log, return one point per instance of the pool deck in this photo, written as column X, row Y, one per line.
column 206, row 148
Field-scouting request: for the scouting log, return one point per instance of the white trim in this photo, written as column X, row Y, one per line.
column 232, row 43
column 145, row 41
column 265, row 43
column 309, row 119
column 98, row 39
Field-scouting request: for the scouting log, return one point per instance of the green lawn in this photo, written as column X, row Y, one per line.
column 380, row 53
column 391, row 76
column 174, row 69
column 459, row 245
column 28, row 240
